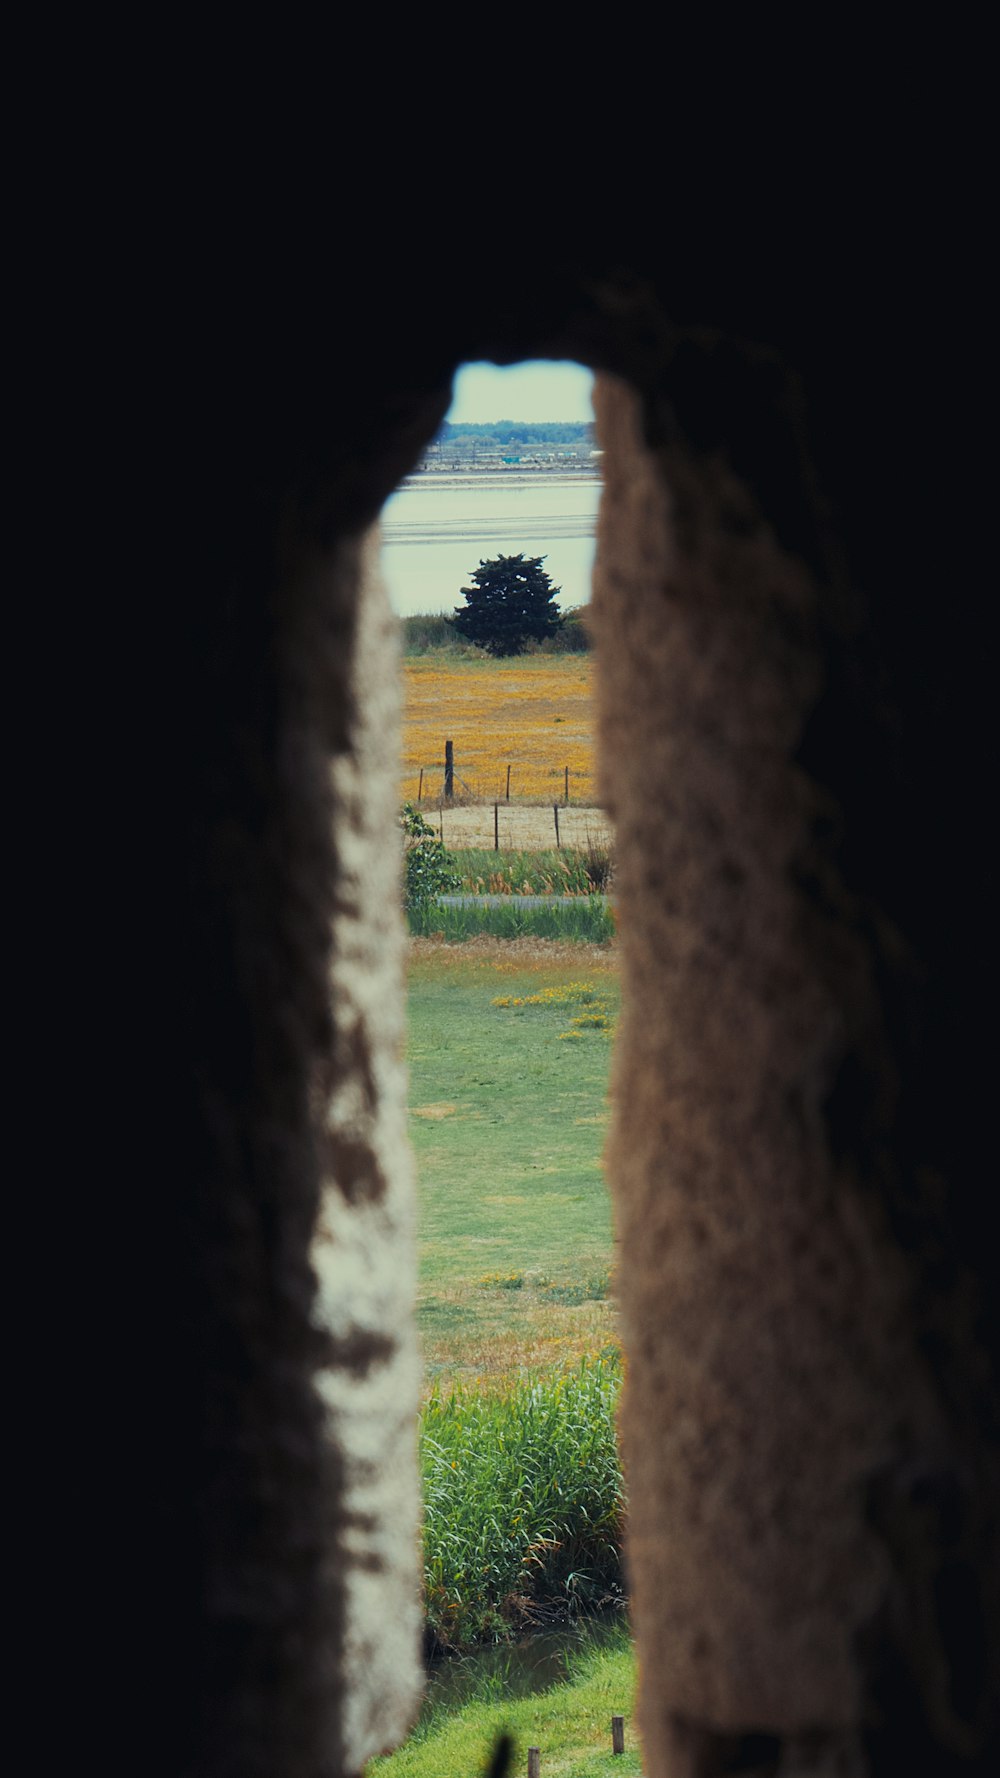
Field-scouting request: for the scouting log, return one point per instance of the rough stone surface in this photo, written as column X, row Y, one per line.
column 282, row 1569
column 365, row 1243
column 794, row 762
column 773, row 1378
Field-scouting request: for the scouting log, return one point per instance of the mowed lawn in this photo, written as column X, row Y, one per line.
column 508, row 1108
column 533, row 713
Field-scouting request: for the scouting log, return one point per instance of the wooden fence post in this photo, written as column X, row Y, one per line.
column 449, row 769
column 534, row 1762
column 508, row 783
column 567, row 783
column 555, row 811
column 420, row 786
column 618, row 1734
column 496, row 827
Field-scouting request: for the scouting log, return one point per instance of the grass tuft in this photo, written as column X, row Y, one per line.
column 523, row 1504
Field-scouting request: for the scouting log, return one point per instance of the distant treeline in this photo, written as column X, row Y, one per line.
column 524, row 432
column 429, row 632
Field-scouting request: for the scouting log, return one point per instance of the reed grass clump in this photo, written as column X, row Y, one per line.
column 523, row 1504
column 548, row 872
column 598, row 864
column 584, row 921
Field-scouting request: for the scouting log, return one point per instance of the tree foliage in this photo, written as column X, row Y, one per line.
column 512, row 602
column 523, row 432
column 427, row 867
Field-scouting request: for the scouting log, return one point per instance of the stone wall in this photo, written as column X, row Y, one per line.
column 774, row 1381
column 809, row 1291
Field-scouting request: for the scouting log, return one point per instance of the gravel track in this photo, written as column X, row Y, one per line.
column 523, row 828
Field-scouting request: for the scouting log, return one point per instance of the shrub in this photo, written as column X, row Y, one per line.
column 428, row 869
column 572, row 636
column 430, row 632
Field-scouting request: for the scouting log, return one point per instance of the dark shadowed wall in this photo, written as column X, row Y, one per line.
column 809, row 1293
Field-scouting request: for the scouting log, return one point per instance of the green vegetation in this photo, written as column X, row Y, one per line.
column 569, row 1722
column 507, row 1122
column 567, row 872
column 523, row 1503
column 428, row 870
column 586, row 921
column 508, row 1061
column 523, row 432
column 511, row 602
column 486, row 872
column 586, row 1290
column 431, row 632
column 572, row 636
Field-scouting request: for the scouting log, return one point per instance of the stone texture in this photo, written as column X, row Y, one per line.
column 773, row 1377
column 794, row 759
column 365, row 1242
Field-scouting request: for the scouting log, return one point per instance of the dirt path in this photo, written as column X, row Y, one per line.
column 522, row 829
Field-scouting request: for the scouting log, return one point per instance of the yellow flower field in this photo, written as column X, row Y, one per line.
column 533, row 714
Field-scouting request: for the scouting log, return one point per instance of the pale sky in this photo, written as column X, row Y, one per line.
column 539, row 390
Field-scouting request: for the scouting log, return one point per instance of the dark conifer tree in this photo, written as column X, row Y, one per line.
column 512, row 601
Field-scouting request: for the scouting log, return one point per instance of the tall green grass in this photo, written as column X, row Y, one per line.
column 548, row 872
column 523, row 1504
column 586, row 921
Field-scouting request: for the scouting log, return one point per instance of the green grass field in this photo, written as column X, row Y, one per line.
column 508, row 1106
column 570, row 1724
column 509, row 1052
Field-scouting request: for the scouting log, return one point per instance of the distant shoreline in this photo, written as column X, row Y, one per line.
column 524, row 472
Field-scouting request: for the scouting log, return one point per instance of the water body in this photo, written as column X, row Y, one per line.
column 437, row 528
column 519, row 1669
